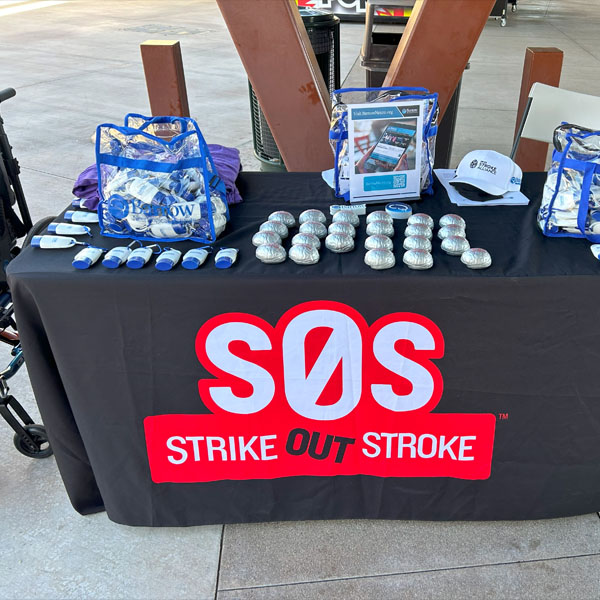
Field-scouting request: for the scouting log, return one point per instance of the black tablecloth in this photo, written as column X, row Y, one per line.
column 106, row 349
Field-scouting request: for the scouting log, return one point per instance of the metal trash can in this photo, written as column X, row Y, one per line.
column 324, row 34
column 377, row 57
column 377, row 61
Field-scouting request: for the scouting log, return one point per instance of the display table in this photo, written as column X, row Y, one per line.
column 490, row 410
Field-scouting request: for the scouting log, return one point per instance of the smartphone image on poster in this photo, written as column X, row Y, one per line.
column 391, row 146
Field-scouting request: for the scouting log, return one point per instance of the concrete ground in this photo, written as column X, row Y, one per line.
column 76, row 64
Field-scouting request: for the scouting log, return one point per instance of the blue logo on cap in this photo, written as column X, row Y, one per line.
column 515, row 180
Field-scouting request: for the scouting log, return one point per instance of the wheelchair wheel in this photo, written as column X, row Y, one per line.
column 38, row 434
column 37, row 228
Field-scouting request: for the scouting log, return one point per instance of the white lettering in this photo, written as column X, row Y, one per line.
column 366, row 440
column 246, row 447
column 352, row 4
column 424, row 446
column 388, row 443
column 232, row 447
column 419, row 376
column 447, row 447
column 303, row 389
column 216, row 448
column 215, row 443
column 401, row 444
column 433, row 451
column 170, row 446
column 264, row 447
column 195, row 439
column 217, row 350
column 462, row 447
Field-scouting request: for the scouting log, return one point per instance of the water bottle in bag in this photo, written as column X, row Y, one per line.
column 147, row 193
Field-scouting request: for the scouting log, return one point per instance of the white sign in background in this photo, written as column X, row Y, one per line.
column 383, row 141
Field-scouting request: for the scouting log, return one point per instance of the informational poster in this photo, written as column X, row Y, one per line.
column 385, row 150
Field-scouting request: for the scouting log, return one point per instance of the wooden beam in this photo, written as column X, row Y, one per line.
column 278, row 57
column 541, row 65
column 436, row 45
column 165, row 79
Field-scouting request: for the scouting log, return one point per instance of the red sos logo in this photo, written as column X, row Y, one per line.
column 322, row 359
column 320, row 393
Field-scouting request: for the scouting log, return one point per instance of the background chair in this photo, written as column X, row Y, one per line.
column 548, row 106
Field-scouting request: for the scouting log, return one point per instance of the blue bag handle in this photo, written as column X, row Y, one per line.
column 158, row 119
column 561, row 167
column 215, row 182
column 384, row 89
column 135, row 131
column 584, row 202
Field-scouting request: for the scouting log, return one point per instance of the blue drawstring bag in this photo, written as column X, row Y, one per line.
column 338, row 131
column 570, row 204
column 157, row 181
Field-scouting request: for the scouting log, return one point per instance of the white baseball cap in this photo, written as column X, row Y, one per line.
column 489, row 171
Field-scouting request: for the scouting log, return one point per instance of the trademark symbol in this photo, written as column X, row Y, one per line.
column 503, row 416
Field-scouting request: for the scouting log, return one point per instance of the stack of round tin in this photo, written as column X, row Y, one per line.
column 341, row 232
column 417, row 242
column 379, row 245
column 454, row 242
column 268, row 240
column 306, row 244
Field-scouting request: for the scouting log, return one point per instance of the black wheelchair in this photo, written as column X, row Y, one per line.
column 29, row 439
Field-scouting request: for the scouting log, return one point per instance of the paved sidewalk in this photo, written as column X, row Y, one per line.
column 76, row 64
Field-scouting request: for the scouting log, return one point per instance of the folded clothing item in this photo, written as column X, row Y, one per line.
column 86, row 187
column 227, row 162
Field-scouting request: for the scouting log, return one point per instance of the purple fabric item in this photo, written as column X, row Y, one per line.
column 86, row 188
column 228, row 165
column 227, row 162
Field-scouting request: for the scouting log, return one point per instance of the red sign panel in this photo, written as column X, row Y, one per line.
column 352, row 7
column 321, row 393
